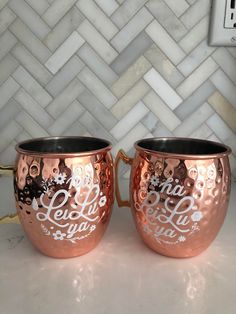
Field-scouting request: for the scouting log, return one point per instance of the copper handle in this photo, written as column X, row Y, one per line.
column 13, row 218
column 127, row 160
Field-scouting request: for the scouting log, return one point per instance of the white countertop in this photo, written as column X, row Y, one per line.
column 120, row 276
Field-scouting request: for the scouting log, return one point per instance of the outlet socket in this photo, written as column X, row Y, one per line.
column 222, row 26
column 230, row 14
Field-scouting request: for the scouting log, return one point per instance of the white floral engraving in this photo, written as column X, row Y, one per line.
column 181, row 238
column 60, row 178
column 58, row 235
column 169, row 221
column 154, row 180
column 196, row 216
column 102, row 201
column 76, row 216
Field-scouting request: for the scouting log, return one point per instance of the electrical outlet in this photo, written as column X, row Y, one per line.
column 223, row 23
column 230, row 14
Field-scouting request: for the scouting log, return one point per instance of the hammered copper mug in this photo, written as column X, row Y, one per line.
column 179, row 193
column 64, row 193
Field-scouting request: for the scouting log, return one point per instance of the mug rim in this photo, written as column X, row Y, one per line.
column 29, row 152
column 227, row 150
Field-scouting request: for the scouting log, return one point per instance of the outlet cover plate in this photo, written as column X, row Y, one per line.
column 220, row 34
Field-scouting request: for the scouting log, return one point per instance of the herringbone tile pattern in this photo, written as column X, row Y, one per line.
column 118, row 69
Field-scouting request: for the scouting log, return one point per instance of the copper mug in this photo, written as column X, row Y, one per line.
column 179, row 193
column 64, row 193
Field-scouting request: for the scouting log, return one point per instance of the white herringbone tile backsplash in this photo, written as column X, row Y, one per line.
column 117, row 69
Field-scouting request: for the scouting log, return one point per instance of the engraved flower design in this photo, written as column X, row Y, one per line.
column 102, row 201
column 60, row 178
column 196, row 216
column 92, row 228
column 181, row 238
column 154, row 180
column 146, row 229
column 58, row 235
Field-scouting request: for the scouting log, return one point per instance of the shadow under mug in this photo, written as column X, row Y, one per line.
column 179, row 193
column 64, row 192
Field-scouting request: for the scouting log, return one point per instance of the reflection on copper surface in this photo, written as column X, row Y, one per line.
column 178, row 202
column 64, row 201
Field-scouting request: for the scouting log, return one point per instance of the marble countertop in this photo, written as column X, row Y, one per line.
column 120, row 276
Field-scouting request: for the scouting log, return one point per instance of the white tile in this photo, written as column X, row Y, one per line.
column 213, row 138
column 195, row 35
column 167, row 18
column 161, row 110
column 199, row 76
column 164, row 66
column 197, row 98
column 8, row 133
column 225, row 86
column 36, row 91
column 150, row 121
column 195, row 58
column 96, row 86
column 65, row 98
column 7, row 66
column 76, row 129
column 33, row 44
column 194, row 121
column 94, row 127
column 162, row 88
column 178, row 7
column 7, row 90
column 127, row 142
column 195, row 13
column 36, row 69
column 129, row 120
column 131, row 53
column 108, row 6
column 8, row 156
column 30, row 125
column 162, row 131
column 202, row 132
column 125, row 103
column 226, row 62
column 232, row 160
column 33, row 108
column 131, row 29
column 57, row 10
column 230, row 141
column 97, row 41
column 97, row 109
column 165, row 42
column 23, row 136
column 3, row 3
column 68, row 117
column 232, row 51
column 9, row 112
column 191, row 1
column 29, row 17
column 96, row 16
column 39, row 6
column 64, row 52
column 7, row 42
column 65, row 76
column 132, row 75
column 6, row 18
column 125, row 12
column 219, row 127
column 97, row 65
column 63, row 29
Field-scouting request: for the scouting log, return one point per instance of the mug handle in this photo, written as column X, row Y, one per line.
column 127, row 160
column 13, row 218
